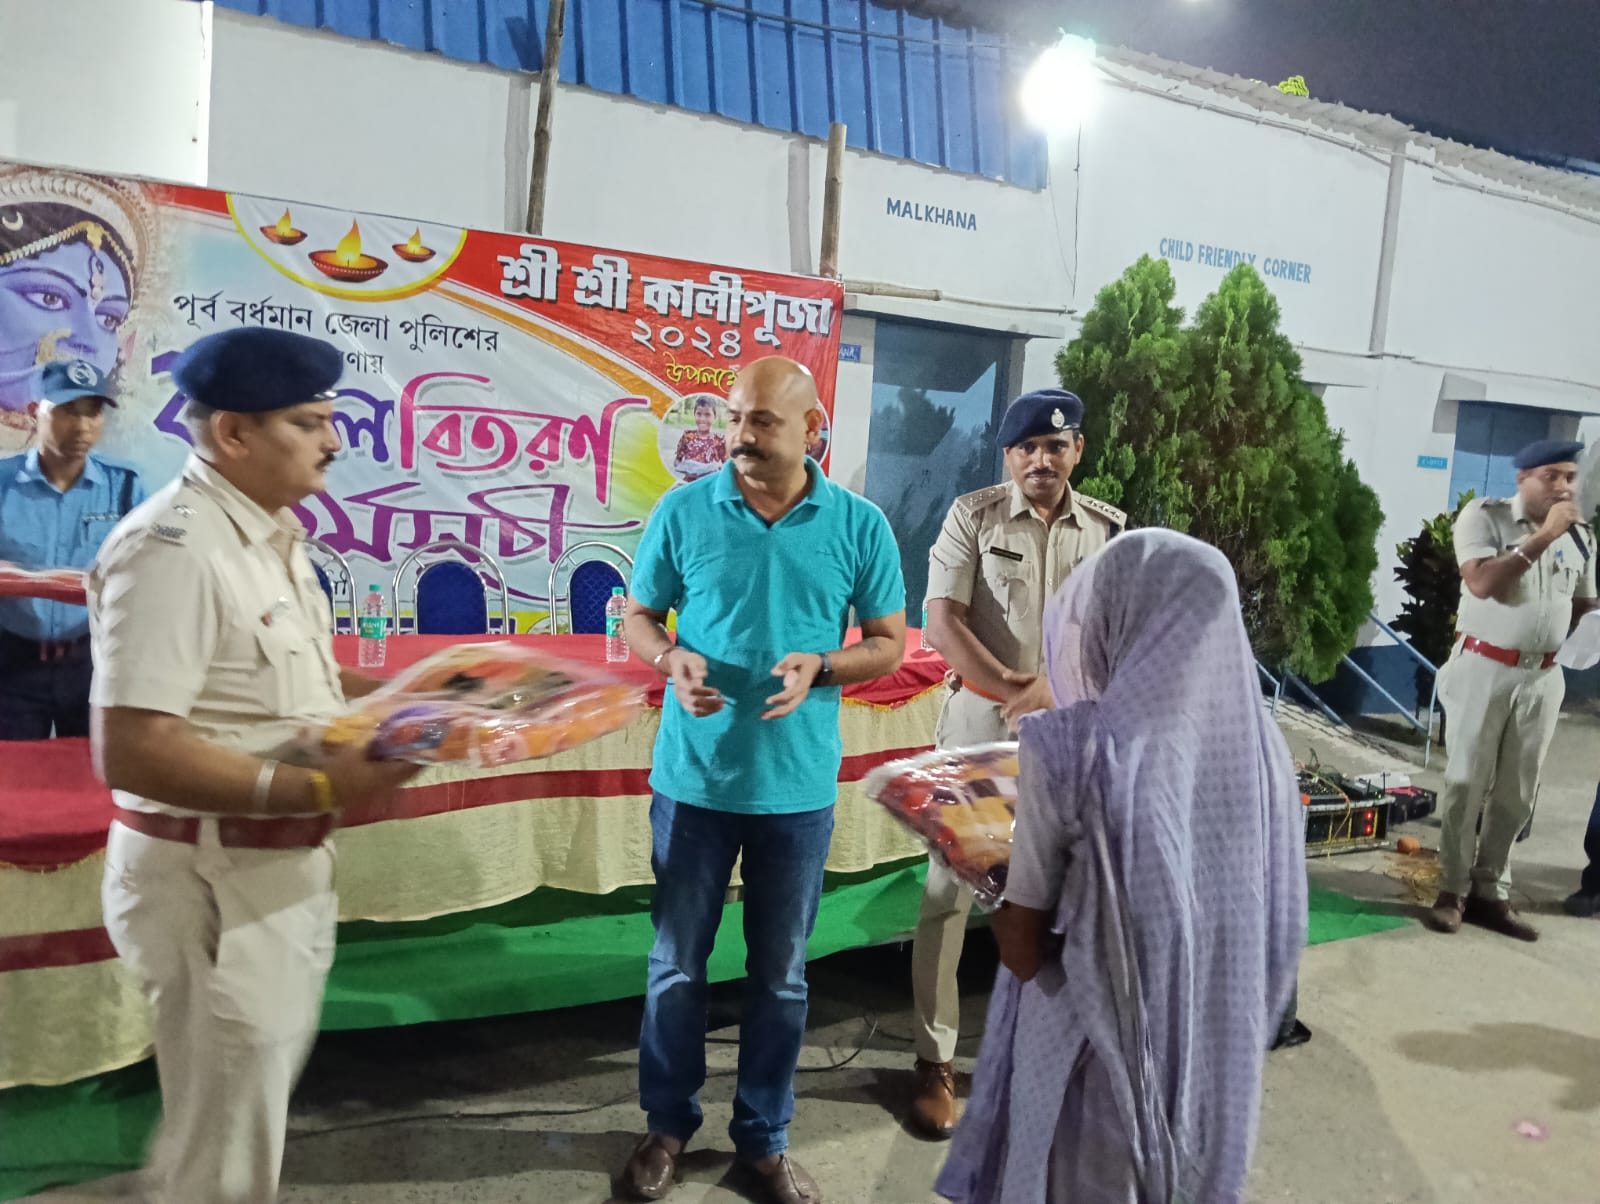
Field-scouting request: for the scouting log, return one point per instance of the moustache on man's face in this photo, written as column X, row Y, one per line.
column 749, row 453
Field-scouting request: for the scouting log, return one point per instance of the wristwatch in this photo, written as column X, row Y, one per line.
column 824, row 675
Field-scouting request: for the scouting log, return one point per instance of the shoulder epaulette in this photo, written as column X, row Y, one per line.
column 1105, row 510
column 982, row 498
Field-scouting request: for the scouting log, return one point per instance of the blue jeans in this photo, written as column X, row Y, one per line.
column 1591, row 846
column 43, row 691
column 692, row 854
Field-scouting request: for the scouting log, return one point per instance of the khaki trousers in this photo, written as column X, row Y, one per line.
column 232, row 948
column 964, row 721
column 1501, row 722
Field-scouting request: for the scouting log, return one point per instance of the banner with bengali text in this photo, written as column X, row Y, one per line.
column 518, row 394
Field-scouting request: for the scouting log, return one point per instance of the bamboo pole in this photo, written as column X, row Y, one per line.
column 832, row 201
column 554, row 32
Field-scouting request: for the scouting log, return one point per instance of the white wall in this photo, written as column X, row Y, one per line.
column 967, row 237
column 360, row 125
column 852, row 405
column 110, row 85
column 1490, row 283
column 1197, row 187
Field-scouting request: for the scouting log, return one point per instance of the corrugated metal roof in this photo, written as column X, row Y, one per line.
column 905, row 85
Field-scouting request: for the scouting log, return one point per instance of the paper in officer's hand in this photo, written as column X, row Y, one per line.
column 1582, row 648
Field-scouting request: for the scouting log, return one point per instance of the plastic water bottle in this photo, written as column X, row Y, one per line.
column 616, row 638
column 925, row 644
column 373, row 627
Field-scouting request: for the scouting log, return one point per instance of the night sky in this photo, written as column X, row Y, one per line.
column 1521, row 76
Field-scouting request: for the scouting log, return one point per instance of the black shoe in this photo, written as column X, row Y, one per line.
column 1582, row 905
column 1298, row 1034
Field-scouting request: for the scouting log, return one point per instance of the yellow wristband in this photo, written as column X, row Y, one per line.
column 322, row 787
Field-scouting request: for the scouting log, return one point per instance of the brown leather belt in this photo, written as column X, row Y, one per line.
column 233, row 831
column 1509, row 657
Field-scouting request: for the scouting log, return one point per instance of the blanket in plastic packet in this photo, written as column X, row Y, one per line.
column 487, row 704
column 962, row 803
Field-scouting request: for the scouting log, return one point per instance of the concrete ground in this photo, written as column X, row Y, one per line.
column 1457, row 1070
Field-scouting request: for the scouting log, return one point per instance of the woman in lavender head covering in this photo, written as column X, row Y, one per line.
column 1156, row 904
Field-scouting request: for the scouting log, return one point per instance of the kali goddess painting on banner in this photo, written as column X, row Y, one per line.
column 72, row 249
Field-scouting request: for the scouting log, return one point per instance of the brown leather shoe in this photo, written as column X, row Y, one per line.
column 1497, row 915
column 1446, row 912
column 933, row 1110
column 651, row 1171
column 786, row 1183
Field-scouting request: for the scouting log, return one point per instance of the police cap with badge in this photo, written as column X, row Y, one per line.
column 1040, row 414
column 62, row 382
column 254, row 370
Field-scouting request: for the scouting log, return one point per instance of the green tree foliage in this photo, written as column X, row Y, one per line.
column 1432, row 580
column 1131, row 367
column 1210, row 429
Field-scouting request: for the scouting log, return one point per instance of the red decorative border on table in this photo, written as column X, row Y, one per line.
column 82, row 946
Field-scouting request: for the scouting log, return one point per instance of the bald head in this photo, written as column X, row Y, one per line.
column 778, row 382
column 774, row 414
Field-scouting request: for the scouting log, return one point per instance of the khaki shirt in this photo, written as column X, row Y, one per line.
column 203, row 605
column 1539, row 612
column 996, row 556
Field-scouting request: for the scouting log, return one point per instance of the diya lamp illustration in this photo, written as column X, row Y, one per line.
column 347, row 261
column 412, row 250
column 283, row 232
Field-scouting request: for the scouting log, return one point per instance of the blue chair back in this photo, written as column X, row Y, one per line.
column 326, row 583
column 588, row 590
column 451, row 600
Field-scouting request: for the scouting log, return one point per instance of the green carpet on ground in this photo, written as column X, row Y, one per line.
column 550, row 949
column 1336, row 917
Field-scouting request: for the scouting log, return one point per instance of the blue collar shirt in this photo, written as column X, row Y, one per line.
column 42, row 527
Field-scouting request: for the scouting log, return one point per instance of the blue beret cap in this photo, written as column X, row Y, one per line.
column 1547, row 451
column 253, row 370
column 1042, row 412
column 61, row 382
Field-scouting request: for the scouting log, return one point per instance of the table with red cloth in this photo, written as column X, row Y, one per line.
column 457, row 839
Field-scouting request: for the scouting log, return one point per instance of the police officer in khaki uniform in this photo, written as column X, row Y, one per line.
column 212, row 648
column 1527, row 575
column 1002, row 552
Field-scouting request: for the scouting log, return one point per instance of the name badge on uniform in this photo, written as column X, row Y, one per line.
column 101, row 518
column 275, row 612
column 1006, row 553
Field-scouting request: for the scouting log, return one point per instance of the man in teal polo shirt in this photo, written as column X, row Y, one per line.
column 58, row 502
column 763, row 563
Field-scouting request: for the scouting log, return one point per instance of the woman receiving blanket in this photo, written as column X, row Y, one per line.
column 1156, row 904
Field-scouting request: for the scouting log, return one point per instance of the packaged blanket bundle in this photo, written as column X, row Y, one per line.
column 488, row 704
column 962, row 803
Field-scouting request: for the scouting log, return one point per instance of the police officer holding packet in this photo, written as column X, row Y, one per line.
column 212, row 648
